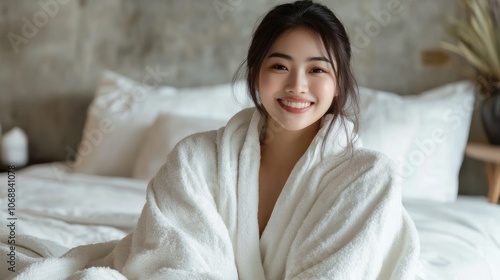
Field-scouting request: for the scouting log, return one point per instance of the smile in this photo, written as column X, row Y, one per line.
column 299, row 105
column 294, row 106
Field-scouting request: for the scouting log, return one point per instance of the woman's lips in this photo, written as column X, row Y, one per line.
column 296, row 106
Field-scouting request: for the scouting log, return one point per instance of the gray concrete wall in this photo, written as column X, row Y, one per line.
column 52, row 53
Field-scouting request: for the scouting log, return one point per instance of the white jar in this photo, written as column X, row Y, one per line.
column 14, row 148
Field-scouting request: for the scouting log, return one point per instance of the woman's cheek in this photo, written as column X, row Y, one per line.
column 267, row 81
column 326, row 85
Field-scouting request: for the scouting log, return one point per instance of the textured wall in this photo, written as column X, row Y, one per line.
column 52, row 52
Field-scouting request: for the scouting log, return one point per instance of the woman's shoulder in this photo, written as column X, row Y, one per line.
column 375, row 170
column 373, row 159
column 358, row 158
column 364, row 168
column 196, row 152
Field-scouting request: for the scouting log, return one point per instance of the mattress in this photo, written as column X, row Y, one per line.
column 459, row 240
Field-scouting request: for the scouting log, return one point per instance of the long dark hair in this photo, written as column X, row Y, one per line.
column 320, row 19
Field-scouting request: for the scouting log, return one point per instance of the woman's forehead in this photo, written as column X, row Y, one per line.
column 299, row 42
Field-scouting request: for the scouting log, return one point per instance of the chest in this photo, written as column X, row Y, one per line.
column 271, row 183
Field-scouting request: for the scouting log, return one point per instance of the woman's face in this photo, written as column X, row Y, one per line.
column 296, row 80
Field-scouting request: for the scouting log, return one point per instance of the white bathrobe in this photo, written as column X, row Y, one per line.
column 338, row 216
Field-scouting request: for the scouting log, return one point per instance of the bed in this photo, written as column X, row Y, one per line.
column 98, row 196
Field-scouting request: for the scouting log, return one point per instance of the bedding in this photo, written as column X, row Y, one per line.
column 122, row 111
column 72, row 208
column 459, row 240
column 424, row 134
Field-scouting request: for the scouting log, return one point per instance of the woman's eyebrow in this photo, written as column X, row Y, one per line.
column 287, row 57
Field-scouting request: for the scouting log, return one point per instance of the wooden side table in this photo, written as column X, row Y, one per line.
column 490, row 154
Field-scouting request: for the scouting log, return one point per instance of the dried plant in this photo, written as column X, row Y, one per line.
column 478, row 41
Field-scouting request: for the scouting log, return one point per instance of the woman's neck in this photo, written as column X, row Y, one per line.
column 282, row 148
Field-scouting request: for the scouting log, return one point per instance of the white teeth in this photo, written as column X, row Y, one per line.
column 298, row 105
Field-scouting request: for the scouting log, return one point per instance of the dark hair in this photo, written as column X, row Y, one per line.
column 320, row 19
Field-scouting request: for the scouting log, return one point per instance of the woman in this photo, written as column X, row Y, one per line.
column 284, row 191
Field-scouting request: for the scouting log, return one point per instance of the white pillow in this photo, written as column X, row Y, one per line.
column 162, row 136
column 123, row 110
column 424, row 134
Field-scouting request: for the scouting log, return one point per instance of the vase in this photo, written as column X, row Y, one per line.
column 490, row 116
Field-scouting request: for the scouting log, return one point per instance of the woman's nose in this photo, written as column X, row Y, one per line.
column 296, row 83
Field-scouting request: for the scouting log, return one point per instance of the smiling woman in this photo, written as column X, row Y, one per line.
column 300, row 78
column 283, row 191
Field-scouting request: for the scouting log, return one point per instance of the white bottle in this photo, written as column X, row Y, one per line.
column 14, row 150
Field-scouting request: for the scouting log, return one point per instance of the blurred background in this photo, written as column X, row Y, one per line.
column 52, row 53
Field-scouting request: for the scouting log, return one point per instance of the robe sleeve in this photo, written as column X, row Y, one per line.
column 180, row 234
column 358, row 228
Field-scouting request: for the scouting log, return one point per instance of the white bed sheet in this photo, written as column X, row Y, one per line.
column 73, row 209
column 459, row 240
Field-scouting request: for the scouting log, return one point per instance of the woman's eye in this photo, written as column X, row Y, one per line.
column 278, row 67
column 318, row 70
